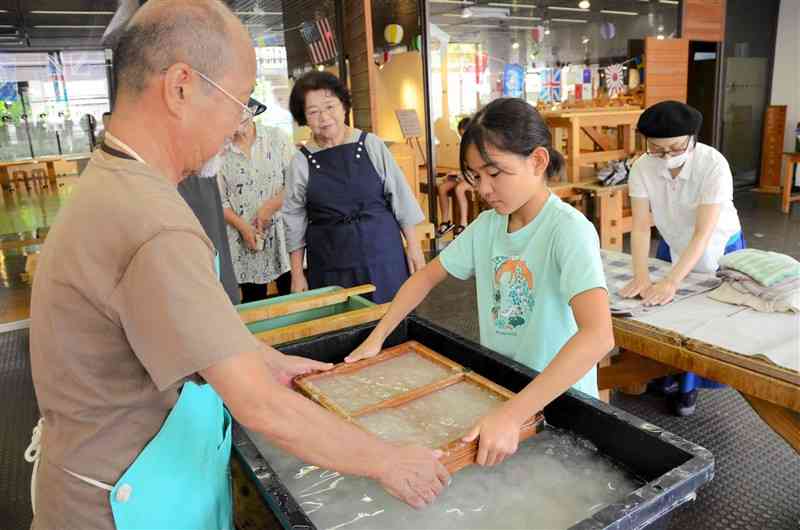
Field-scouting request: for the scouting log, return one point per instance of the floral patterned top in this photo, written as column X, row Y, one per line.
column 245, row 183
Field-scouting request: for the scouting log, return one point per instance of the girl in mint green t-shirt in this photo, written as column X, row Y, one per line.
column 541, row 290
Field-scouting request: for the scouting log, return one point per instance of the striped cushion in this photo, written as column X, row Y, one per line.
column 767, row 268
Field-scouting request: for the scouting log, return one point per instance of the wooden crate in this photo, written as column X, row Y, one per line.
column 458, row 454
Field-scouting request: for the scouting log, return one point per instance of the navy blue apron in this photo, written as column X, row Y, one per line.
column 352, row 237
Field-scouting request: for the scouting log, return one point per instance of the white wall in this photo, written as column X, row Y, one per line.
column 786, row 73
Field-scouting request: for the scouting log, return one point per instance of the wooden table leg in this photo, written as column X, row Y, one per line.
column 574, row 144
column 610, row 211
column 629, row 370
column 783, row 421
column 629, row 138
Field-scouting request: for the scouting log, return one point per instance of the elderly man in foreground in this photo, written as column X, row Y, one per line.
column 135, row 347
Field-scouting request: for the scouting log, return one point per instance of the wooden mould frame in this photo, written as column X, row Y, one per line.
column 458, row 454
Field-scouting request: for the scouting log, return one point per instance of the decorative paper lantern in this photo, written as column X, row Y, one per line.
column 537, row 33
column 393, row 33
column 608, row 30
column 416, row 43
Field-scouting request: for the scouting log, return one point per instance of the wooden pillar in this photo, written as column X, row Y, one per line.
column 358, row 46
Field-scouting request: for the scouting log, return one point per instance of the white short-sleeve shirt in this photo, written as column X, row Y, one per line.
column 704, row 179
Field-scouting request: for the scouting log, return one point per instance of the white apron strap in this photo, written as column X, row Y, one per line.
column 33, row 455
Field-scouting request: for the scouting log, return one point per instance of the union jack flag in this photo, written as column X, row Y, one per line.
column 320, row 40
column 551, row 86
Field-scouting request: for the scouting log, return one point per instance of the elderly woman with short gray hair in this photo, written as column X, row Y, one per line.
column 347, row 204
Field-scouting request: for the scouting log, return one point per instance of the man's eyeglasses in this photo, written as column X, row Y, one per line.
column 249, row 111
column 663, row 153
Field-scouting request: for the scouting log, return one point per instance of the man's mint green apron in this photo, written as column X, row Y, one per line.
column 181, row 479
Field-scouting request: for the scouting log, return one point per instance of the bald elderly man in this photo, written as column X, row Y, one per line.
column 134, row 344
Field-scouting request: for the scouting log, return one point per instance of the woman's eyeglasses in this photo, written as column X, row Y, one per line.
column 663, row 153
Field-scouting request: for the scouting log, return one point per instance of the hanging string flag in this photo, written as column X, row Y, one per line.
column 615, row 83
column 319, row 38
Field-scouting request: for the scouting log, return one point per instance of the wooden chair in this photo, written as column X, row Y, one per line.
column 20, row 175
column 39, row 177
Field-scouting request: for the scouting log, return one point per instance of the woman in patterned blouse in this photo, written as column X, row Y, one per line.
column 252, row 179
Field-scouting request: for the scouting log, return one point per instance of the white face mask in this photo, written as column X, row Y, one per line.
column 674, row 162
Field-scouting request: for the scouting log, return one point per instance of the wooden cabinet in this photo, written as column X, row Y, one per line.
column 772, row 148
column 703, row 20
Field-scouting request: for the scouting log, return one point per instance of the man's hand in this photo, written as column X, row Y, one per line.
column 263, row 217
column 414, row 475
column 415, row 259
column 286, row 367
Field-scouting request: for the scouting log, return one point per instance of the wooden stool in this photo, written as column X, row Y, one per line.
column 39, row 177
column 792, row 160
column 20, row 175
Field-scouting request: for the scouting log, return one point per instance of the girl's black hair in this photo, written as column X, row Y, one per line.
column 316, row 81
column 463, row 123
column 513, row 125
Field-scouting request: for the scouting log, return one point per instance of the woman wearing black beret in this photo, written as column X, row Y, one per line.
column 686, row 189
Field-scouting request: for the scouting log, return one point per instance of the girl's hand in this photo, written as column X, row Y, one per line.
column 498, row 436
column 661, row 293
column 369, row 348
column 635, row 287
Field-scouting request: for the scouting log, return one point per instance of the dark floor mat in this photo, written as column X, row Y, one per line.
column 757, row 474
column 18, row 415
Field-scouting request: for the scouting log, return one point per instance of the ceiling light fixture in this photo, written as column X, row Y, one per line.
column 612, row 12
column 513, row 6
column 584, row 4
column 67, row 26
column 515, row 45
column 560, row 8
column 569, row 20
column 584, row 40
column 71, row 12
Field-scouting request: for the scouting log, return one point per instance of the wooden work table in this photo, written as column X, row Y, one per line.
column 590, row 122
column 649, row 351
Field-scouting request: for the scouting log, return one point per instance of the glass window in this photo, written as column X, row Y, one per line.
column 46, row 98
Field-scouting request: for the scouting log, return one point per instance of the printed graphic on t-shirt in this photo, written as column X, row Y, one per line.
column 513, row 294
